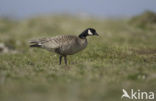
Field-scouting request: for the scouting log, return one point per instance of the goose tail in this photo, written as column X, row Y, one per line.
column 34, row 44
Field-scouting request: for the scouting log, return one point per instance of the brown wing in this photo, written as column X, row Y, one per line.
column 55, row 42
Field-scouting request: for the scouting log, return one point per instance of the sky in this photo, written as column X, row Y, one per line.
column 106, row 8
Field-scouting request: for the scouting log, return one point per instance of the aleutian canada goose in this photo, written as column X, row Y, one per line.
column 65, row 44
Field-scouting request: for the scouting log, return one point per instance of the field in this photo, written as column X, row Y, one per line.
column 122, row 57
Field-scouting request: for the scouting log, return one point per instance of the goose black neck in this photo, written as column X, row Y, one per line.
column 83, row 35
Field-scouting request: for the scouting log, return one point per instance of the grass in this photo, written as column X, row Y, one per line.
column 123, row 56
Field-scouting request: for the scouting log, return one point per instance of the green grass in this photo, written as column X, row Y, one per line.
column 123, row 56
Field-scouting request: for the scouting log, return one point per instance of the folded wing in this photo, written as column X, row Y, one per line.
column 53, row 42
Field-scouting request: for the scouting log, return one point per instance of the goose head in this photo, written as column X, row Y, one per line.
column 88, row 32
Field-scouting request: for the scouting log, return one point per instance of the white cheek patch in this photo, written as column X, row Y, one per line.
column 90, row 33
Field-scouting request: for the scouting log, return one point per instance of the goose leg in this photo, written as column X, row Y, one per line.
column 60, row 60
column 65, row 59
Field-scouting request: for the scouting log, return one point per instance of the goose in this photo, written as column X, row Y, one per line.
column 64, row 44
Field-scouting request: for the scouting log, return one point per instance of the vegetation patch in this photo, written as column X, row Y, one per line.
column 145, row 20
column 123, row 56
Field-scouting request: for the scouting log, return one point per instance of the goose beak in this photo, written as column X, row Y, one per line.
column 96, row 34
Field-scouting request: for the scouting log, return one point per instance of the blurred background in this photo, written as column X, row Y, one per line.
column 122, row 57
column 104, row 8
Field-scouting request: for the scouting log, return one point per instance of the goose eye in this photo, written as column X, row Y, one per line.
column 93, row 31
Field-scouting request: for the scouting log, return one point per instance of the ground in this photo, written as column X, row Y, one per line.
column 122, row 57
